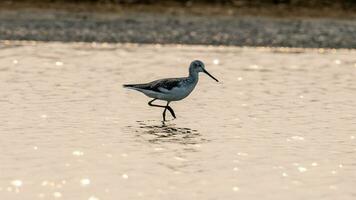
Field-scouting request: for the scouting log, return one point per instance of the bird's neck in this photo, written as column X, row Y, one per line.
column 193, row 75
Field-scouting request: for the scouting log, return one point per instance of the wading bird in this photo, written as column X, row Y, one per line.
column 171, row 89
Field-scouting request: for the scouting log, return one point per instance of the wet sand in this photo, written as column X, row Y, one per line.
column 279, row 125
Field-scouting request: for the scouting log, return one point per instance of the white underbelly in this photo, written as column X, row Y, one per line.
column 175, row 94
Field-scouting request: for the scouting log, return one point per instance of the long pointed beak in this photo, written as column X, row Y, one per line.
column 210, row 75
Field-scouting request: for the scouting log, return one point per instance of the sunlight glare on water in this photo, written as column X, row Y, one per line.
column 280, row 124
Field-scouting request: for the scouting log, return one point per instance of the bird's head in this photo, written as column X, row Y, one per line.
column 198, row 66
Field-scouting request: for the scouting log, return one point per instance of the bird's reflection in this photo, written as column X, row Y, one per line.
column 167, row 132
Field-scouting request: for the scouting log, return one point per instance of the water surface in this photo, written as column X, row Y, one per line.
column 280, row 124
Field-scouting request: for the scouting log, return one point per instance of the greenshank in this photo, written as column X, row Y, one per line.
column 171, row 89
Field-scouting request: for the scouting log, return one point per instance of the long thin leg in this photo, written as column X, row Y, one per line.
column 170, row 110
column 154, row 105
column 167, row 107
column 164, row 114
column 150, row 104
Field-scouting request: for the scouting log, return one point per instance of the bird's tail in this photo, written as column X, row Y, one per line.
column 128, row 85
column 133, row 86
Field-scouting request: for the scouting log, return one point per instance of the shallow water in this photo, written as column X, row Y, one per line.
column 280, row 124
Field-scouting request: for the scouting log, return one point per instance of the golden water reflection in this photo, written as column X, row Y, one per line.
column 279, row 125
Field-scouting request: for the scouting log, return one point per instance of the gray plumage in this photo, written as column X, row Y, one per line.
column 171, row 89
column 167, row 83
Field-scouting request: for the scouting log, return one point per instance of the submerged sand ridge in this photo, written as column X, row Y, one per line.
column 280, row 125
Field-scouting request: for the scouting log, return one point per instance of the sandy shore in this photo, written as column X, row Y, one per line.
column 142, row 26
